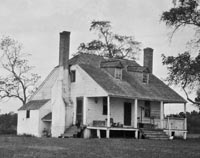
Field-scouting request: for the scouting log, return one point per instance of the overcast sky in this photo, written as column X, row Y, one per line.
column 37, row 23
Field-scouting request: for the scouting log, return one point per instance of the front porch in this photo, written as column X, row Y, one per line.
column 121, row 114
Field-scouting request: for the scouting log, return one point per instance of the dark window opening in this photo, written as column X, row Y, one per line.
column 105, row 110
column 79, row 111
column 73, row 76
column 145, row 78
column 28, row 114
column 147, row 110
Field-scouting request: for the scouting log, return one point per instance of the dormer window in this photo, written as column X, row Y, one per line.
column 145, row 78
column 113, row 67
column 118, row 73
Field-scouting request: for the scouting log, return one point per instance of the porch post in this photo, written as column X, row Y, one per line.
column 161, row 114
column 135, row 117
column 108, row 117
column 135, row 113
column 185, row 116
column 185, row 123
column 85, row 100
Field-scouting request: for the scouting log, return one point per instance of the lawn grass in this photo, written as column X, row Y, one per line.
column 30, row 147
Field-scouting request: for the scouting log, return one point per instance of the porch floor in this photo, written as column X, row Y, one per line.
column 110, row 129
column 114, row 128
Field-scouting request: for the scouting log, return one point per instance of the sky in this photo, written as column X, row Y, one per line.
column 37, row 24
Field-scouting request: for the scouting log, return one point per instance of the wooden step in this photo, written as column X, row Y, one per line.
column 157, row 134
column 71, row 132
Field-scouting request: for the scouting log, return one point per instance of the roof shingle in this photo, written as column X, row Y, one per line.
column 34, row 104
column 132, row 87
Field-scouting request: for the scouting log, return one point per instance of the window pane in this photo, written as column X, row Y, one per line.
column 118, row 73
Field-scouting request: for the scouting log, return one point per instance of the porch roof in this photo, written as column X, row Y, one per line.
column 47, row 117
column 34, row 104
column 132, row 87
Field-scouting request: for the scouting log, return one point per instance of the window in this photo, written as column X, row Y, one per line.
column 105, row 111
column 147, row 109
column 118, row 73
column 28, row 114
column 73, row 76
column 145, row 78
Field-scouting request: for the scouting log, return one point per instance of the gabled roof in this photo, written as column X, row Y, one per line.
column 34, row 104
column 132, row 87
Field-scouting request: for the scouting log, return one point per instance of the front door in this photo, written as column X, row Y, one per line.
column 127, row 114
column 79, row 111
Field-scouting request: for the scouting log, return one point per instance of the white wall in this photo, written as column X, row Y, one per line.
column 44, row 90
column 28, row 125
column 44, row 110
column 33, row 125
column 85, row 85
column 58, row 106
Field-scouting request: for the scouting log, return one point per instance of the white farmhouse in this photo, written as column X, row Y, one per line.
column 103, row 97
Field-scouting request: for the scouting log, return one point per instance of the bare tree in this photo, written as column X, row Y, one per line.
column 17, row 81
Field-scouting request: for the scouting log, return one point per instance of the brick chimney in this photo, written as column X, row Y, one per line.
column 64, row 49
column 148, row 59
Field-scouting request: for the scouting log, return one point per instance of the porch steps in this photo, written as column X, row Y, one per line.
column 156, row 134
column 71, row 132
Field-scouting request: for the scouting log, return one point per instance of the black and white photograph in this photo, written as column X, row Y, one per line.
column 99, row 78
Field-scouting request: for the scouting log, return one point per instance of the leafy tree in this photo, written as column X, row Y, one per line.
column 184, row 70
column 109, row 44
column 184, row 13
column 18, row 81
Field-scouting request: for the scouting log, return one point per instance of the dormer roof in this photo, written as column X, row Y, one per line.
column 111, row 64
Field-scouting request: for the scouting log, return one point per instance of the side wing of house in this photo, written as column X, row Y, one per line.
column 30, row 117
column 28, row 122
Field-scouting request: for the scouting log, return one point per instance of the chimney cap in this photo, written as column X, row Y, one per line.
column 65, row 33
column 148, row 48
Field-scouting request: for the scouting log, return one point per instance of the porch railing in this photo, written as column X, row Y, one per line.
column 172, row 123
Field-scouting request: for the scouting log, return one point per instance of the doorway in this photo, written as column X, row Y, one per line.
column 79, row 111
column 127, row 114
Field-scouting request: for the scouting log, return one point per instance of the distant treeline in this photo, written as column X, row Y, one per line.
column 8, row 123
column 193, row 120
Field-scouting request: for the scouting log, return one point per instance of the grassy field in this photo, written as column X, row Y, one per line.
column 29, row 147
